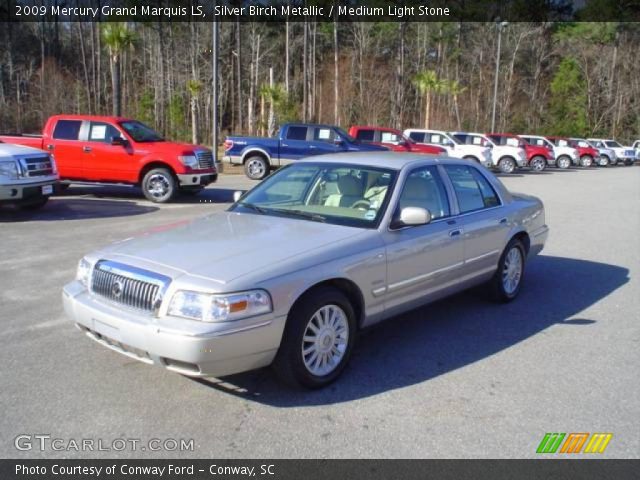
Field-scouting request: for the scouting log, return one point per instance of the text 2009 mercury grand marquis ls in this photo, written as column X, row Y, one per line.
column 295, row 267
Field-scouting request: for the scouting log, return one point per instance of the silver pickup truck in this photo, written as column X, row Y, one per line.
column 28, row 176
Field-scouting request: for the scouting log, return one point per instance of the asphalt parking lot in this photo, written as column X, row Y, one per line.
column 461, row 378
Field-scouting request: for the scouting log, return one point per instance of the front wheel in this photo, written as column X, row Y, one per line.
column 586, row 161
column 256, row 167
column 603, row 161
column 506, row 282
column 318, row 339
column 538, row 164
column 564, row 162
column 159, row 185
column 507, row 165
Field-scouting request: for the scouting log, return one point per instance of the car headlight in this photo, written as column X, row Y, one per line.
column 189, row 160
column 9, row 170
column 219, row 307
column 84, row 272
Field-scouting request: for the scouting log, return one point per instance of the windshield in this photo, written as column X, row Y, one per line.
column 612, row 144
column 140, row 132
column 339, row 194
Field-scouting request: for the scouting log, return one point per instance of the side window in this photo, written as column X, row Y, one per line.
column 423, row 188
column 390, row 137
column 417, row 137
column 473, row 191
column 365, row 135
column 297, row 133
column 436, row 138
column 102, row 132
column 324, row 134
column 67, row 130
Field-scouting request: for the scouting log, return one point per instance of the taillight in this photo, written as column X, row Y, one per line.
column 228, row 145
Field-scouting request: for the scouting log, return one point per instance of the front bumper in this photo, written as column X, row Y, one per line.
column 226, row 349
column 197, row 179
column 26, row 192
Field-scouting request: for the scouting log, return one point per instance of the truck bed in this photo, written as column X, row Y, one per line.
column 28, row 140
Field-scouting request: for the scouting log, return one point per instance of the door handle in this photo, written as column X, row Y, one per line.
column 284, row 145
column 502, row 221
column 86, row 149
column 455, row 233
column 50, row 147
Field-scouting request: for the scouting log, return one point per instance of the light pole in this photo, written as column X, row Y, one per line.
column 214, row 53
column 500, row 26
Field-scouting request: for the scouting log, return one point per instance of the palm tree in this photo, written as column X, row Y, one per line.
column 118, row 38
column 427, row 82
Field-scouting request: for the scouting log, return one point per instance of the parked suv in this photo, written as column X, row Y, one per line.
column 538, row 157
column 505, row 157
column 27, row 176
column 565, row 155
column 454, row 147
column 622, row 154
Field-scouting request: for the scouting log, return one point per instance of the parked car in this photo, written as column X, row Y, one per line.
column 393, row 139
column 624, row 155
column 27, row 176
column 294, row 142
column 565, row 155
column 455, row 148
column 292, row 271
column 588, row 155
column 607, row 155
column 97, row 149
column 506, row 158
column 538, row 156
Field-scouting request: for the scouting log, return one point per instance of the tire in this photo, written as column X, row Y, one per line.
column 256, row 167
column 586, row 161
column 563, row 162
column 35, row 205
column 538, row 163
column 628, row 163
column 298, row 369
column 603, row 161
column 159, row 185
column 191, row 191
column 507, row 165
column 613, row 162
column 502, row 286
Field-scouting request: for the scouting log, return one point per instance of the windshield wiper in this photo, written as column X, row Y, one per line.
column 300, row 213
column 253, row 207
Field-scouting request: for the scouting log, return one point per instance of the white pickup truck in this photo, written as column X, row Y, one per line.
column 28, row 176
column 506, row 158
column 455, row 148
column 623, row 154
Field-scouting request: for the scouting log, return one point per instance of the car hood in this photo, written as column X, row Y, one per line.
column 227, row 245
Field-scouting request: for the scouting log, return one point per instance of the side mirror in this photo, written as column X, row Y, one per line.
column 236, row 195
column 412, row 216
column 117, row 140
column 338, row 141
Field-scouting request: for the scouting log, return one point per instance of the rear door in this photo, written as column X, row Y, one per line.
column 67, row 149
column 106, row 162
column 294, row 145
column 482, row 216
column 322, row 140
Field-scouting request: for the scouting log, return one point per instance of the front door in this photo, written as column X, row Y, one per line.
column 104, row 161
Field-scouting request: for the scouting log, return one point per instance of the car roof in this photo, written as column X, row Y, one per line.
column 392, row 160
column 106, row 118
column 377, row 128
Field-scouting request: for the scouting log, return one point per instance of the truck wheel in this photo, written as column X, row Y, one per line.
column 603, row 161
column 564, row 162
column 256, row 167
column 613, row 162
column 317, row 340
column 586, row 161
column 507, row 165
column 36, row 205
column 159, row 185
column 506, row 282
column 538, row 163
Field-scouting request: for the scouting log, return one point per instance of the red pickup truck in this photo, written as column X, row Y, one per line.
column 97, row 149
column 392, row 139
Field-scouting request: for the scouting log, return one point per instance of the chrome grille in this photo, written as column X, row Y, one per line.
column 37, row 166
column 129, row 286
column 205, row 158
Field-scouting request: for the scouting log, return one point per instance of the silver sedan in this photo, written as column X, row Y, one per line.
column 290, row 273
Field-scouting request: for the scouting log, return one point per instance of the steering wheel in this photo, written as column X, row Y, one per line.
column 361, row 204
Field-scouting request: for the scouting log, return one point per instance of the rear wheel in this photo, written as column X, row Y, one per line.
column 538, row 163
column 507, row 165
column 506, row 282
column 564, row 162
column 159, row 185
column 318, row 339
column 586, row 161
column 256, row 167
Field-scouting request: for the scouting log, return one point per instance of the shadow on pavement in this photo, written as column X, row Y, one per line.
column 434, row 340
column 208, row 195
column 76, row 209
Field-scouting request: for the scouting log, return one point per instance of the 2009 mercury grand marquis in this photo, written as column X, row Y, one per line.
column 297, row 265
